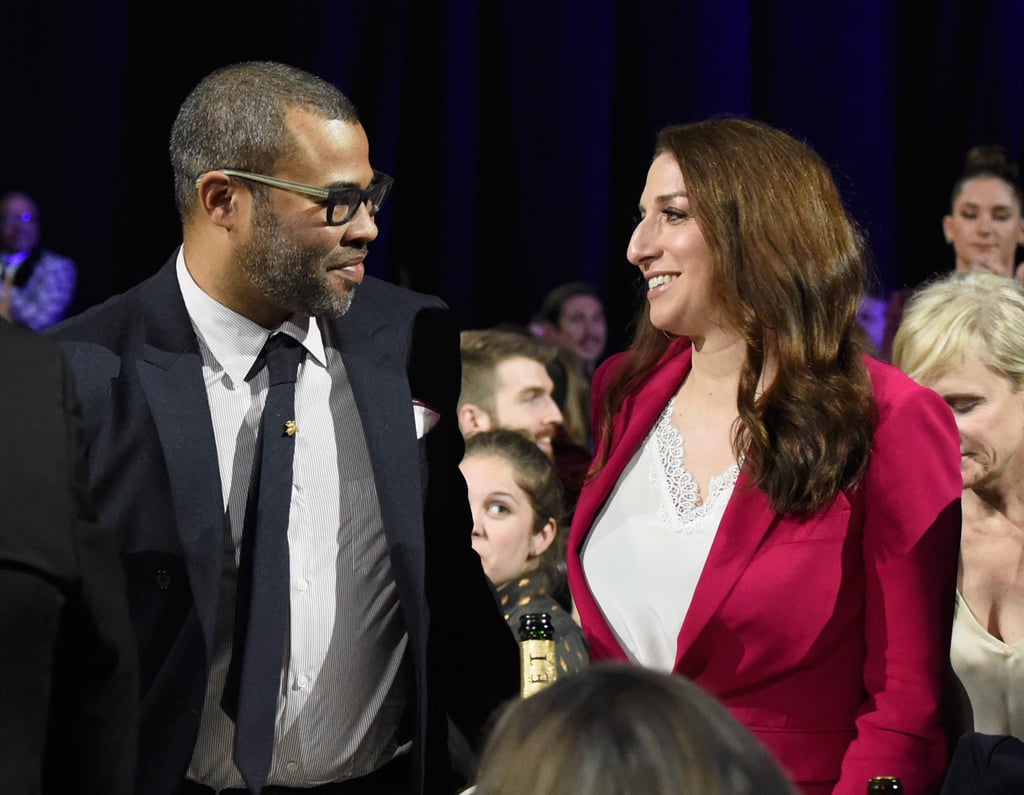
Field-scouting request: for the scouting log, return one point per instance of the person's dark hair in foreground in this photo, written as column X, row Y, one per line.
column 619, row 729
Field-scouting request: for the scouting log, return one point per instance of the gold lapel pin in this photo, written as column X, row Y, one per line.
column 290, row 428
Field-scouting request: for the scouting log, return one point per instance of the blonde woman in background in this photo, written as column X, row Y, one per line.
column 964, row 337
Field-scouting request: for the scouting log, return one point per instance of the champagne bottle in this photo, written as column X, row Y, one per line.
column 887, row 784
column 538, row 665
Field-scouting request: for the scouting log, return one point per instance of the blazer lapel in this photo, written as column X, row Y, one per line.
column 170, row 370
column 632, row 424
column 747, row 520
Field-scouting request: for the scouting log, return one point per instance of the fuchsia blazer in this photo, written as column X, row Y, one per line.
column 827, row 636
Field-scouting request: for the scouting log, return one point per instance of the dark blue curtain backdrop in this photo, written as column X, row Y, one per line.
column 519, row 132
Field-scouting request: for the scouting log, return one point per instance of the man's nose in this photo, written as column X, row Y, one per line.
column 554, row 413
column 361, row 227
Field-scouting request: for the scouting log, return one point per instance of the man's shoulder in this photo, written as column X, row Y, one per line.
column 20, row 346
column 111, row 318
column 379, row 291
column 380, row 304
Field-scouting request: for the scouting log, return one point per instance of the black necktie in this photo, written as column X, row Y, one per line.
column 261, row 601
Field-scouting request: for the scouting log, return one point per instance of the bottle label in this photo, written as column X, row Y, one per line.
column 537, row 664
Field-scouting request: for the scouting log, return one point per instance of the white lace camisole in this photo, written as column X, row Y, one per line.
column 649, row 544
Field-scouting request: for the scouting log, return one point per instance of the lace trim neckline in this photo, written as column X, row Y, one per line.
column 684, row 507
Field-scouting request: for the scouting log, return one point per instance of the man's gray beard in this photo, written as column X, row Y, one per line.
column 291, row 275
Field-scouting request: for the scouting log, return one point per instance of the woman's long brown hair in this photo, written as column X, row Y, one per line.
column 789, row 269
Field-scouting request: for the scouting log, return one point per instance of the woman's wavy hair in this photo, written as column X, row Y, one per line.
column 789, row 268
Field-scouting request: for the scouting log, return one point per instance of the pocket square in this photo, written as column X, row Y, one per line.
column 426, row 418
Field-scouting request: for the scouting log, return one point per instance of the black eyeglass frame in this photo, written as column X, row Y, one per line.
column 373, row 196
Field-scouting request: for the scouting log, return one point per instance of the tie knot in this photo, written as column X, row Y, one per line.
column 281, row 354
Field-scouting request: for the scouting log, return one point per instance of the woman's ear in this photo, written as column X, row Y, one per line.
column 947, row 228
column 543, row 538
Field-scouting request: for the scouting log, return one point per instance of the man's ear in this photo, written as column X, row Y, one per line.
column 220, row 199
column 473, row 419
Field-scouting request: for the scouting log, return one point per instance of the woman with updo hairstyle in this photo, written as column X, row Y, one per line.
column 984, row 225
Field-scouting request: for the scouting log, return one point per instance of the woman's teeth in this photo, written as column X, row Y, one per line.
column 658, row 281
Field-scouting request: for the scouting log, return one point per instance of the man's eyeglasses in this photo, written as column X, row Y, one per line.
column 342, row 203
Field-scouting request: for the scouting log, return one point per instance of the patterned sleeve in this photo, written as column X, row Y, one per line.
column 45, row 298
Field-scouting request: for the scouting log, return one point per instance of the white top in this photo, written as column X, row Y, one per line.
column 992, row 673
column 650, row 542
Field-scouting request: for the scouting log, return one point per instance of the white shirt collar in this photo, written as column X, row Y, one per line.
column 233, row 340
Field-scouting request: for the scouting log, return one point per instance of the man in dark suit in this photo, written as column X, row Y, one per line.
column 69, row 696
column 391, row 624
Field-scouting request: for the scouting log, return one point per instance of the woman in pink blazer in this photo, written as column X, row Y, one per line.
column 771, row 513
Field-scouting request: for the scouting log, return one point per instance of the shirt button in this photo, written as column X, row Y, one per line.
column 302, row 681
column 302, row 585
column 292, row 766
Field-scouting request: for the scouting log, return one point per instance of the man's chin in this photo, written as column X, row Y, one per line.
column 343, row 302
column 334, row 303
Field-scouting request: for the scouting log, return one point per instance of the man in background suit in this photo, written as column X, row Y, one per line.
column 392, row 626
column 69, row 695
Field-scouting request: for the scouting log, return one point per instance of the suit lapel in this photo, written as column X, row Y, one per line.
column 747, row 520
column 170, row 370
column 381, row 390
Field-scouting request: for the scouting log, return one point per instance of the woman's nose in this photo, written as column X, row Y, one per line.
column 640, row 244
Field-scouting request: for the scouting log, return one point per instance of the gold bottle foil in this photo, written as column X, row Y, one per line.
column 538, row 665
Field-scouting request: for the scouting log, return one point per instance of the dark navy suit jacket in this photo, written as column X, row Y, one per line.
column 67, row 662
column 154, row 471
